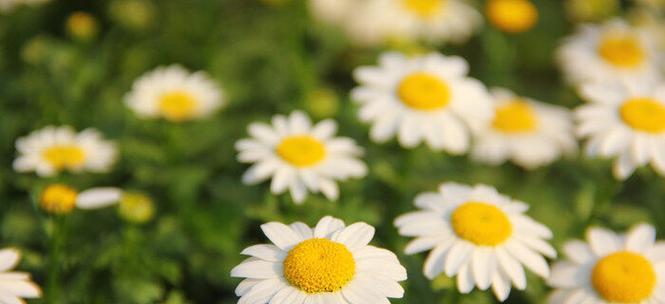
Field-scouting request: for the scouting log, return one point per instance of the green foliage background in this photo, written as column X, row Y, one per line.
column 269, row 59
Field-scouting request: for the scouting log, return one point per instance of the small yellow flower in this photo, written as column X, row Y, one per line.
column 512, row 16
column 58, row 199
column 136, row 208
column 82, row 26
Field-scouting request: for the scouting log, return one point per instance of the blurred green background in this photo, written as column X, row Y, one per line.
column 269, row 57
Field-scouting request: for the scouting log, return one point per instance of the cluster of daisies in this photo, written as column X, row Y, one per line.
column 473, row 233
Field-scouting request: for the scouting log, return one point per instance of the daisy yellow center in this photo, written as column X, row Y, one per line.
column 64, row 156
column 301, row 150
column 481, row 223
column 319, row 265
column 423, row 8
column 512, row 16
column 58, row 199
column 624, row 277
column 516, row 116
column 644, row 114
column 623, row 51
column 177, row 105
column 423, row 91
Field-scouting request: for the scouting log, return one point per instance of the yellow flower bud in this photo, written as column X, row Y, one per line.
column 58, row 199
column 136, row 208
column 82, row 26
column 512, row 16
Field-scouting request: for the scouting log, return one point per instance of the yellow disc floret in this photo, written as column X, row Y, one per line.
column 64, row 156
column 177, row 106
column 622, row 50
column 301, row 150
column 512, row 16
column 58, row 199
column 423, row 91
column 319, row 265
column 481, row 223
column 423, row 8
column 516, row 116
column 624, row 277
column 644, row 114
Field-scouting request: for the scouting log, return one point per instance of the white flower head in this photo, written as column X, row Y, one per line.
column 15, row 286
column 331, row 263
column 624, row 121
column 607, row 52
column 334, row 12
column 479, row 235
column 62, row 199
column 175, row 94
column 299, row 156
column 373, row 22
column 425, row 98
column 527, row 132
column 52, row 150
column 611, row 268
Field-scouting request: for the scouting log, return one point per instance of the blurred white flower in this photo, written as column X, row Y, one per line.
column 330, row 263
column 425, row 98
column 479, row 235
column 8, row 5
column 527, row 132
column 15, row 286
column 611, row 268
column 608, row 52
column 52, row 150
column 175, row 94
column 61, row 199
column 624, row 121
column 299, row 156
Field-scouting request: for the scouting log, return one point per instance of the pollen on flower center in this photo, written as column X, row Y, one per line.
column 423, row 8
column 177, row 105
column 319, row 265
column 623, row 51
column 58, row 199
column 481, row 223
column 624, row 277
column 301, row 150
column 516, row 116
column 64, row 156
column 423, row 91
column 644, row 114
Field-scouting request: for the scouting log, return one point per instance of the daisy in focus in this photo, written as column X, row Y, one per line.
column 299, row 157
column 608, row 52
column 52, row 150
column 611, row 268
column 479, row 235
column 374, row 22
column 331, row 263
column 15, row 286
column 422, row 99
column 62, row 199
column 174, row 94
column 626, row 122
column 527, row 132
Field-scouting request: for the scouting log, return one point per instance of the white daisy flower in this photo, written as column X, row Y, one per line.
column 375, row 21
column 175, row 94
column 61, row 199
column 331, row 263
column 611, row 268
column 625, row 121
column 299, row 156
column 479, row 235
column 425, row 98
column 525, row 131
column 52, row 150
column 15, row 286
column 334, row 12
column 608, row 52
column 9, row 5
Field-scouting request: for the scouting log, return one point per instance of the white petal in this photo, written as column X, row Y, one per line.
column 356, row 235
column 483, row 267
column 530, row 259
column 640, row 238
column 262, row 292
column 268, row 253
column 303, row 230
column 288, row 295
column 465, row 281
column 327, row 226
column 459, row 255
column 281, row 235
column 603, row 241
column 257, row 269
column 512, row 268
column 98, row 198
column 9, row 258
column 578, row 252
column 500, row 286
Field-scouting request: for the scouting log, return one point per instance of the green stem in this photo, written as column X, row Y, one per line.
column 56, row 243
